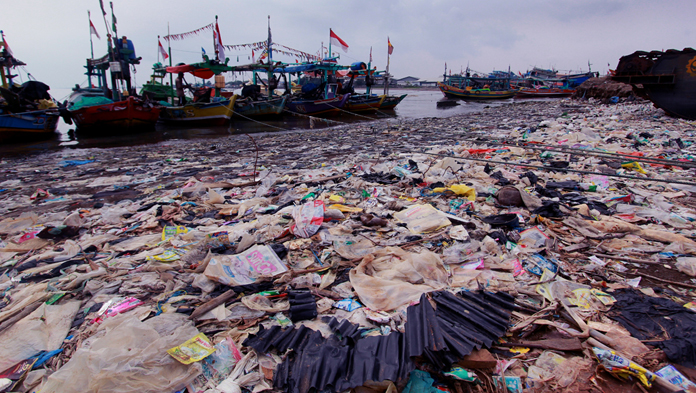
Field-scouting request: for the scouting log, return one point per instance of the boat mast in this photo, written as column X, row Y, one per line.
column 269, row 48
column 386, row 75
column 6, row 61
column 169, row 48
column 91, row 46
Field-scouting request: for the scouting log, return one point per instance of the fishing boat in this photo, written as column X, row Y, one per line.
column 323, row 97
column 260, row 108
column 476, row 87
column 100, row 109
column 27, row 112
column 156, row 89
column 544, row 88
column 215, row 113
column 667, row 78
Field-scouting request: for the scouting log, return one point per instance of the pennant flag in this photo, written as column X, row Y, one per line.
column 391, row 47
column 203, row 51
column 370, row 54
column 7, row 46
column 253, row 59
column 93, row 30
column 164, row 53
column 220, row 49
column 336, row 40
column 101, row 4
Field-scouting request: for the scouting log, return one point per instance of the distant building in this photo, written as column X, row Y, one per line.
column 427, row 83
column 407, row 81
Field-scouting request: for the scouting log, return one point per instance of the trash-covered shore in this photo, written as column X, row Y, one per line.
column 537, row 246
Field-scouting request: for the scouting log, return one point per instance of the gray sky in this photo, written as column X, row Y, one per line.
column 52, row 36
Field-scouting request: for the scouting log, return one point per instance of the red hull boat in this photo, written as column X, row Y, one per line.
column 132, row 113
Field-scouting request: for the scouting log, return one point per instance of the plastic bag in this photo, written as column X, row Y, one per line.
column 308, row 218
column 42, row 330
column 686, row 265
column 392, row 277
column 422, row 219
column 130, row 357
column 245, row 268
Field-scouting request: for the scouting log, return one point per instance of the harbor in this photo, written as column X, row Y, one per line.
column 249, row 217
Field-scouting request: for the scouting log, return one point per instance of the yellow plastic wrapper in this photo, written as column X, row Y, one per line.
column 633, row 165
column 623, row 367
column 337, row 199
column 345, row 209
column 459, row 189
column 193, row 350
column 169, row 232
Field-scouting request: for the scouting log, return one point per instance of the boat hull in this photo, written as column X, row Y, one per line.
column 324, row 107
column 210, row 113
column 27, row 126
column 391, row 102
column 127, row 115
column 668, row 79
column 475, row 94
column 262, row 108
column 364, row 103
column 526, row 92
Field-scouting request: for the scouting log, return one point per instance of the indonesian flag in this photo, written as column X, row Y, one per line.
column 218, row 43
column 336, row 40
column 162, row 51
column 93, row 30
column 391, row 47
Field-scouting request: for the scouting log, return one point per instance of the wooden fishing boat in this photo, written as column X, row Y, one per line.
column 667, row 78
column 390, row 102
column 469, row 92
column 544, row 91
column 328, row 106
column 27, row 112
column 100, row 109
column 248, row 108
column 200, row 113
column 127, row 115
column 364, row 102
column 476, row 87
column 28, row 126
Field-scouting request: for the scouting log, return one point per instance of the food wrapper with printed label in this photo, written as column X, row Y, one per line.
column 246, row 267
column 422, row 219
column 193, row 350
column 308, row 218
column 675, row 377
column 623, row 367
column 169, row 232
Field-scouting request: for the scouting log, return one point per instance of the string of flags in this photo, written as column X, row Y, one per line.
column 181, row 36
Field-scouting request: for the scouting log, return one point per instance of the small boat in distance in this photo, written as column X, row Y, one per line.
column 476, row 87
column 544, row 88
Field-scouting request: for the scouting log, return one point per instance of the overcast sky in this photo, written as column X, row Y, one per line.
column 52, row 36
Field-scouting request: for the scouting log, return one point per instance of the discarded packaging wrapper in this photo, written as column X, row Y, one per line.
column 308, row 218
column 193, row 350
column 244, row 268
column 623, row 367
column 672, row 375
column 422, row 219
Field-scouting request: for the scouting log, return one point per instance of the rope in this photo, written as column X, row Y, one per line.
column 688, row 183
column 571, row 150
column 254, row 120
column 313, row 117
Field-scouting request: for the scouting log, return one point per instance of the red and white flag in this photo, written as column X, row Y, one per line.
column 336, row 40
column 93, row 30
column 218, row 43
column 391, row 47
column 164, row 53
